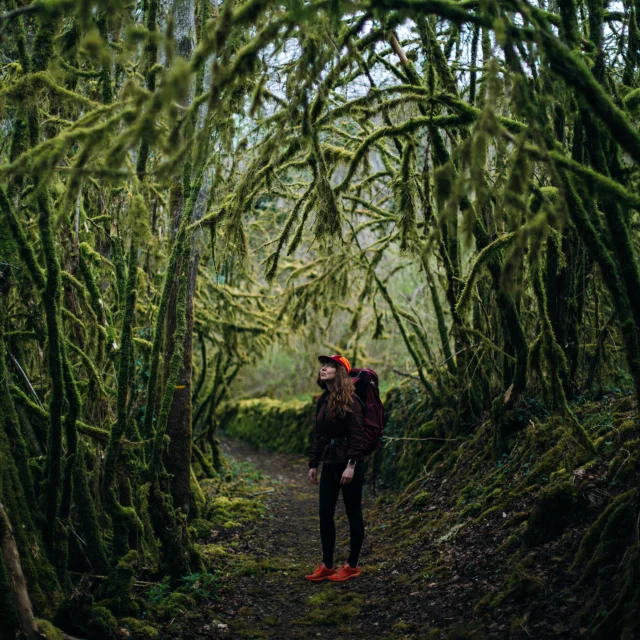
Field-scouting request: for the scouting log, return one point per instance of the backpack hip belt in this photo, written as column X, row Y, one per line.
column 333, row 443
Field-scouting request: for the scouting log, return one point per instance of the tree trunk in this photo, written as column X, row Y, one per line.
column 179, row 427
column 17, row 583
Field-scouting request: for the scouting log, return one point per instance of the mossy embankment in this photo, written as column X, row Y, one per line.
column 540, row 539
column 269, row 424
column 478, row 534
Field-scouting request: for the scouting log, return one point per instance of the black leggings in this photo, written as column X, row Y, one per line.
column 352, row 495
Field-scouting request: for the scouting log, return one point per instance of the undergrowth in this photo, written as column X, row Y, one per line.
column 135, row 601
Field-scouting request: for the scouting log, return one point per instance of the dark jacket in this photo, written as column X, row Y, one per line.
column 348, row 429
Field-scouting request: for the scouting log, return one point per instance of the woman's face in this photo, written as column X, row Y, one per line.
column 327, row 372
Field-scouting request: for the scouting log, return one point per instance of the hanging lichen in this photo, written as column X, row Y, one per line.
column 456, row 181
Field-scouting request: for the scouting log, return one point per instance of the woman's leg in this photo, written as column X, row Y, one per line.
column 352, row 495
column 329, row 490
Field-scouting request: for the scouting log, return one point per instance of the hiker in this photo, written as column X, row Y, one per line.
column 340, row 443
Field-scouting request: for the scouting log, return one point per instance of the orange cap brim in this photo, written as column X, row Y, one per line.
column 337, row 358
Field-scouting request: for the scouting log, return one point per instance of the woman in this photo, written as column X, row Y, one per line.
column 339, row 444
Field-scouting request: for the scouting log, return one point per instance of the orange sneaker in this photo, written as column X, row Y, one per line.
column 345, row 572
column 321, row 573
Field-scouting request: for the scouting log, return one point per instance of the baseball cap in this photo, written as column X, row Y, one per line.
column 337, row 358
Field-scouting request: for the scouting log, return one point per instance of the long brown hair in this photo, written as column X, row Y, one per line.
column 340, row 395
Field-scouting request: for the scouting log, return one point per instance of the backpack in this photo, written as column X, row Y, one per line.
column 366, row 386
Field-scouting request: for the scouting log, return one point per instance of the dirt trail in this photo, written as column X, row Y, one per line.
column 421, row 576
column 275, row 600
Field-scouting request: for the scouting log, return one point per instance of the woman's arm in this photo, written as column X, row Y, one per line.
column 355, row 432
column 316, row 452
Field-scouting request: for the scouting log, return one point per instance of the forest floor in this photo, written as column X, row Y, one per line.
column 436, row 563
column 265, row 593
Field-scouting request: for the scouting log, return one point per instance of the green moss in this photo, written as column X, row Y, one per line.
column 125, row 519
column 80, row 617
column 86, row 509
column 511, row 543
column 172, row 532
column 472, row 509
column 622, row 618
column 198, row 497
column 222, row 510
column 100, row 623
column 609, row 535
column 421, row 500
column 41, row 579
column 270, row 424
column 626, row 429
column 243, row 629
column 632, row 102
column 594, row 534
column 139, row 629
column 211, row 553
column 331, row 607
column 554, row 508
column 548, row 463
column 150, row 549
column 248, row 566
column 323, row 597
column 626, row 463
column 412, row 522
column 174, row 606
column 402, row 626
column 119, row 593
column 48, row 631
column 407, row 415
column 519, row 586
column 201, row 528
column 487, row 512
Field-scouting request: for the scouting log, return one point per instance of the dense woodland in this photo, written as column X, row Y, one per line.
column 185, row 183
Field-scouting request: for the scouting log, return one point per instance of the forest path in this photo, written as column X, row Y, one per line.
column 273, row 599
column 425, row 572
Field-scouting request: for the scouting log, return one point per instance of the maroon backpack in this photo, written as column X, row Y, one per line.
column 366, row 383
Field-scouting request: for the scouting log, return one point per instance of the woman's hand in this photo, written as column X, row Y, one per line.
column 313, row 476
column 347, row 475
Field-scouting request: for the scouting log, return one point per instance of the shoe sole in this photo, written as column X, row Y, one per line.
column 317, row 579
column 355, row 575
